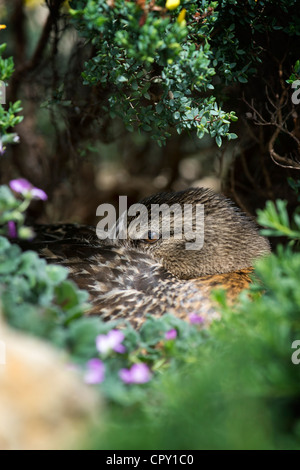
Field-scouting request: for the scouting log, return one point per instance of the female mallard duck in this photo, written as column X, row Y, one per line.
column 130, row 278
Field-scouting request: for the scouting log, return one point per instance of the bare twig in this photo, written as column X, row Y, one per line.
column 278, row 120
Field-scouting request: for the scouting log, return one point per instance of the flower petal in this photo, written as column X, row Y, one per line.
column 119, row 348
column 195, row 318
column 172, row 4
column 137, row 374
column 171, row 334
column 140, row 373
column 125, row 375
column 95, row 371
column 39, row 194
column 12, row 231
column 20, row 185
column 103, row 344
column 111, row 341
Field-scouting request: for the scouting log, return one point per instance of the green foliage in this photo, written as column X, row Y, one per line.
column 8, row 117
column 12, row 210
column 240, row 47
column 275, row 217
column 34, row 296
column 160, row 69
column 6, row 65
column 296, row 73
column 155, row 71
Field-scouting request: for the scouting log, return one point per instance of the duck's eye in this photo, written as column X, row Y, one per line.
column 151, row 237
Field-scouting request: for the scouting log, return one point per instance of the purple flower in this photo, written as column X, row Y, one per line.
column 137, row 374
column 39, row 194
column 23, row 187
column 195, row 318
column 111, row 341
column 171, row 334
column 95, row 371
column 20, row 185
column 12, row 231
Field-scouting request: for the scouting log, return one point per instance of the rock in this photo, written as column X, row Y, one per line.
column 43, row 402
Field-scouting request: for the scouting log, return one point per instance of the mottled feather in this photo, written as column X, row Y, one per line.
column 128, row 279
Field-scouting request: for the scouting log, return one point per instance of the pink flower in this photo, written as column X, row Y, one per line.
column 137, row 374
column 20, row 185
column 23, row 187
column 111, row 341
column 95, row 371
column 39, row 194
column 195, row 318
column 171, row 334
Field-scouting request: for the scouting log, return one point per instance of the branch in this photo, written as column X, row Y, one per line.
column 278, row 121
column 23, row 69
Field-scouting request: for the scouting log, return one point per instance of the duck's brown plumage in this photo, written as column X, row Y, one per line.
column 128, row 279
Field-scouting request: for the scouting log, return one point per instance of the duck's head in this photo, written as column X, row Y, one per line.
column 207, row 234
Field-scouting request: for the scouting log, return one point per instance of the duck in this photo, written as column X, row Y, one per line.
column 133, row 277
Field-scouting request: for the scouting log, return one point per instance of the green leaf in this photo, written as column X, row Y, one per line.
column 218, row 140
